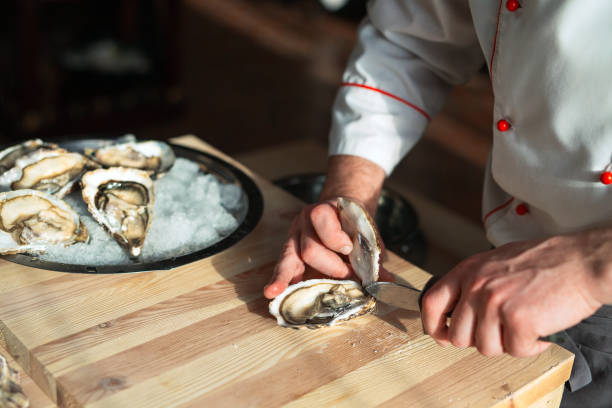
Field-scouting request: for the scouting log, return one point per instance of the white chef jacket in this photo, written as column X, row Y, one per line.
column 550, row 63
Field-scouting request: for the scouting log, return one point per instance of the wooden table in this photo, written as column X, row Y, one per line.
column 200, row 335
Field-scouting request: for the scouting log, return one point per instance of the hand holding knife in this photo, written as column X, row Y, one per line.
column 406, row 297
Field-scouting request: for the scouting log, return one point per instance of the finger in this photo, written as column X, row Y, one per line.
column 518, row 346
column 437, row 302
column 326, row 224
column 488, row 337
column 289, row 268
column 463, row 324
column 321, row 258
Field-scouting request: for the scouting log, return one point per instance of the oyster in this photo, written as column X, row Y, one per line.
column 320, row 302
column 9, row 156
column 152, row 156
column 324, row 302
column 367, row 245
column 11, row 393
column 30, row 220
column 53, row 171
column 121, row 199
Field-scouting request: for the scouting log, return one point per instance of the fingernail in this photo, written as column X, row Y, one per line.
column 345, row 250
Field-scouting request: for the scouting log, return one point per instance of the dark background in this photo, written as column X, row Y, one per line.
column 241, row 74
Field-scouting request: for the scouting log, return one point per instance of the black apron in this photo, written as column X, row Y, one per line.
column 590, row 385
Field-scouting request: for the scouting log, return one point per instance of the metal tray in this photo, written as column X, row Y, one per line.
column 248, row 216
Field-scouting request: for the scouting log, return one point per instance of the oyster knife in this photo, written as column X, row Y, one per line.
column 406, row 297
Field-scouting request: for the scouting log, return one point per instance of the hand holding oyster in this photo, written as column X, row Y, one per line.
column 325, row 302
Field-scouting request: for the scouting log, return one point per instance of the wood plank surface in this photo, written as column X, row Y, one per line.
column 200, row 335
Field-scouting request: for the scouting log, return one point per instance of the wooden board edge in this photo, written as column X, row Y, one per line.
column 544, row 385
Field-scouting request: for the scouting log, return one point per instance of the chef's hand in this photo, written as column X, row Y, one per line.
column 316, row 238
column 505, row 299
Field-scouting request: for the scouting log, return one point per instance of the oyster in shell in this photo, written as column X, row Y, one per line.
column 152, row 156
column 320, row 302
column 10, row 155
column 121, row 200
column 30, row 220
column 367, row 245
column 53, row 171
column 323, row 302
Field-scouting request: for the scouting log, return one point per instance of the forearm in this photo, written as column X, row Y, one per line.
column 354, row 177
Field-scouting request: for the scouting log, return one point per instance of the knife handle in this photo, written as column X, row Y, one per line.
column 552, row 338
column 432, row 281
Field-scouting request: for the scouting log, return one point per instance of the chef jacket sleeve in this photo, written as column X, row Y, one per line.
column 408, row 55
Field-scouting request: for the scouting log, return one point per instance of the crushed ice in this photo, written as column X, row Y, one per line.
column 192, row 211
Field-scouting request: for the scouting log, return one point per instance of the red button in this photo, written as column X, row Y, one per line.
column 503, row 125
column 606, row 177
column 513, row 5
column 521, row 209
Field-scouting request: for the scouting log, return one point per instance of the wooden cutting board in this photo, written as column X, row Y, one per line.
column 200, row 335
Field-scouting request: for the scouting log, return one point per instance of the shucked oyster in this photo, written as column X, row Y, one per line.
column 50, row 170
column 152, row 156
column 30, row 220
column 320, row 302
column 121, row 199
column 324, row 302
column 9, row 156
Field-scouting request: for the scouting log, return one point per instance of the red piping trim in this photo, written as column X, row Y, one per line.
column 504, row 205
column 397, row 98
column 495, row 40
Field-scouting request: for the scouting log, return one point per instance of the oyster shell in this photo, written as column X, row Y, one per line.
column 323, row 302
column 10, row 155
column 30, row 220
column 121, row 199
column 320, row 302
column 367, row 245
column 11, row 393
column 50, row 170
column 152, row 156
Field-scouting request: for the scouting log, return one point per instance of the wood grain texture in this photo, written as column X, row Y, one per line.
column 200, row 335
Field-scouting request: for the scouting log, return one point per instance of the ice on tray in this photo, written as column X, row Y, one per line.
column 192, row 211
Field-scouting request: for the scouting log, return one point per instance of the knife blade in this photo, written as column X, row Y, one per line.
column 409, row 298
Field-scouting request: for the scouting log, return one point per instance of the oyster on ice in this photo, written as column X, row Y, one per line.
column 324, row 302
column 9, row 156
column 30, row 220
column 53, row 171
column 121, row 200
column 320, row 302
column 152, row 156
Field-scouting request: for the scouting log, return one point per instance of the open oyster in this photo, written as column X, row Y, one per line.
column 320, row 302
column 323, row 302
column 50, row 170
column 31, row 220
column 121, row 199
column 152, row 156
column 10, row 155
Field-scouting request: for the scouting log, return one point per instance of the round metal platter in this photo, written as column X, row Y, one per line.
column 248, row 216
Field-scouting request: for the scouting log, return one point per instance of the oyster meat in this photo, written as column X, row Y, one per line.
column 50, row 170
column 121, row 200
column 152, row 156
column 9, row 156
column 325, row 302
column 30, row 220
column 367, row 245
column 320, row 302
